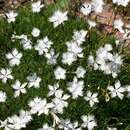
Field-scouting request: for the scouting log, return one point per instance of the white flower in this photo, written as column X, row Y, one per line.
column 14, row 57
column 11, row 16
column 5, row 74
column 128, row 90
column 51, row 57
column 24, row 41
column 115, row 65
column 23, row 36
column 43, row 45
column 36, row 6
column 106, row 61
column 34, row 80
column 75, row 48
column 111, row 128
column 53, row 89
column 25, row 116
column 108, row 47
column 3, row 124
column 56, row 119
column 117, row 42
column 91, row 24
column 19, row 88
column 80, row 72
column 39, row 106
column 59, row 101
column 118, row 24
column 2, row 96
column 75, row 126
column 103, row 53
column 118, row 90
column 117, row 59
column 92, row 98
column 27, row 44
column 35, row 32
column 89, row 122
column 76, row 88
column 79, row 36
column 46, row 127
column 97, row 5
column 94, row 5
column 15, row 123
column 86, row 8
column 96, row 66
column 59, row 73
column 91, row 60
column 68, row 58
column 126, row 35
column 67, row 125
column 58, row 18
column 121, row 2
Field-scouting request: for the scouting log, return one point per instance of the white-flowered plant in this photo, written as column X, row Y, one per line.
column 60, row 101
column 43, row 45
column 16, row 122
column 68, row 58
column 91, row 98
column 89, row 122
column 93, row 6
column 33, row 81
column 35, row 32
column 80, row 72
column 128, row 90
column 68, row 125
column 118, row 24
column 80, row 36
column 76, row 88
column 19, row 88
column 11, row 16
column 117, row 90
column 62, row 60
column 121, row 2
column 60, row 73
column 126, row 35
column 111, row 128
column 53, row 89
column 74, row 47
column 97, row 5
column 86, row 8
column 39, row 106
column 14, row 57
column 92, row 24
column 25, row 116
column 37, row 6
column 106, row 61
column 3, row 96
column 58, row 18
column 5, row 74
column 51, row 57
column 24, row 41
column 46, row 127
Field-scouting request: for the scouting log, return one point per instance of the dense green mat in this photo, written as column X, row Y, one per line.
column 114, row 113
